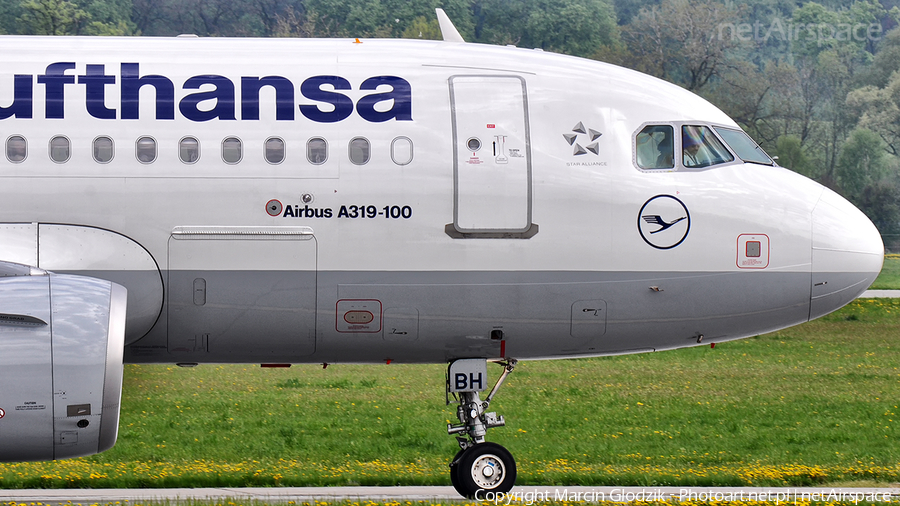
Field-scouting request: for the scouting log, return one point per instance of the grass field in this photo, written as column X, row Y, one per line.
column 889, row 279
column 815, row 404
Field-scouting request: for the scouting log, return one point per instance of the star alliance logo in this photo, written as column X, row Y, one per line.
column 592, row 134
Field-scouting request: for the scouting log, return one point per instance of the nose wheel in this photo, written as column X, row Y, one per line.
column 479, row 465
column 486, row 467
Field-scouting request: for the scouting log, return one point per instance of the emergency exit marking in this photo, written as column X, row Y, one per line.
column 491, row 125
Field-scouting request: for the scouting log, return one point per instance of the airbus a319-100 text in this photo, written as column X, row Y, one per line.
column 203, row 200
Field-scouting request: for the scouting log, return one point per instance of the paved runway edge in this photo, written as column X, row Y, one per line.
column 878, row 294
column 522, row 495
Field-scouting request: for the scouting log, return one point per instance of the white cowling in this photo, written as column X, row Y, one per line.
column 61, row 344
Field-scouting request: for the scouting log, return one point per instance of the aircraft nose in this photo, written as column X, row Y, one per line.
column 847, row 254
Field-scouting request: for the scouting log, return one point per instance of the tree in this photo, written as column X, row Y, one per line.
column 10, row 12
column 341, row 18
column 830, row 50
column 422, row 28
column 52, row 17
column 879, row 110
column 885, row 62
column 767, row 102
column 682, row 41
column 404, row 13
column 862, row 163
column 112, row 17
column 791, row 154
column 571, row 27
column 881, row 203
column 577, row 27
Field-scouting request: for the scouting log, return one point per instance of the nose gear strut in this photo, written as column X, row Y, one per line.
column 479, row 465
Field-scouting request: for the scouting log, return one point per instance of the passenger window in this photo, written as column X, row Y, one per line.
column 655, row 147
column 317, row 150
column 701, row 148
column 60, row 149
column 189, row 150
column 402, row 151
column 359, row 151
column 231, row 150
column 145, row 149
column 103, row 149
column 274, row 150
column 16, row 148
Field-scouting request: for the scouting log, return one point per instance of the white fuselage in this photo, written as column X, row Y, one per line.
column 401, row 241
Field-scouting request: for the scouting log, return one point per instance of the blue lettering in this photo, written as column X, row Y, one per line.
column 223, row 95
column 95, row 80
column 23, row 94
column 284, row 97
column 131, row 93
column 392, row 97
column 54, row 79
column 312, row 89
column 401, row 94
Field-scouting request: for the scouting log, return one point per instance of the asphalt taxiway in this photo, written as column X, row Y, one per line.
column 519, row 495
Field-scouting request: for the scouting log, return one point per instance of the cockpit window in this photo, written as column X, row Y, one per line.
column 743, row 146
column 701, row 148
column 655, row 146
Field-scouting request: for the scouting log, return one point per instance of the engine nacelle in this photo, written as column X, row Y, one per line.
column 61, row 344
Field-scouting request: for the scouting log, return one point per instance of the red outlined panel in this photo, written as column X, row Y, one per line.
column 753, row 251
column 358, row 316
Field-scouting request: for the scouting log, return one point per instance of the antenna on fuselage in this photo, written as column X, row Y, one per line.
column 448, row 31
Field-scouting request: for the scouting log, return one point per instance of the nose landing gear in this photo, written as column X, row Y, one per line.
column 479, row 465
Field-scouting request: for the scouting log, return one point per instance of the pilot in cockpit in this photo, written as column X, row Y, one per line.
column 692, row 156
column 666, row 152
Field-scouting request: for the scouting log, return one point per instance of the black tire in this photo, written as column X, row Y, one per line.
column 454, row 464
column 486, row 467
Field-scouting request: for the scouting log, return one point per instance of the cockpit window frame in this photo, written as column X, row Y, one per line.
column 679, row 148
column 756, row 146
column 634, row 145
column 709, row 132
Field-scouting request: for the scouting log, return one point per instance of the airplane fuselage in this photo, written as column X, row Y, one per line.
column 339, row 201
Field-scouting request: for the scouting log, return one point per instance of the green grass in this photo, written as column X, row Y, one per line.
column 814, row 404
column 889, row 279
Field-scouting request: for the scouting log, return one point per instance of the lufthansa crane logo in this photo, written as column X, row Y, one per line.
column 589, row 134
column 664, row 222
